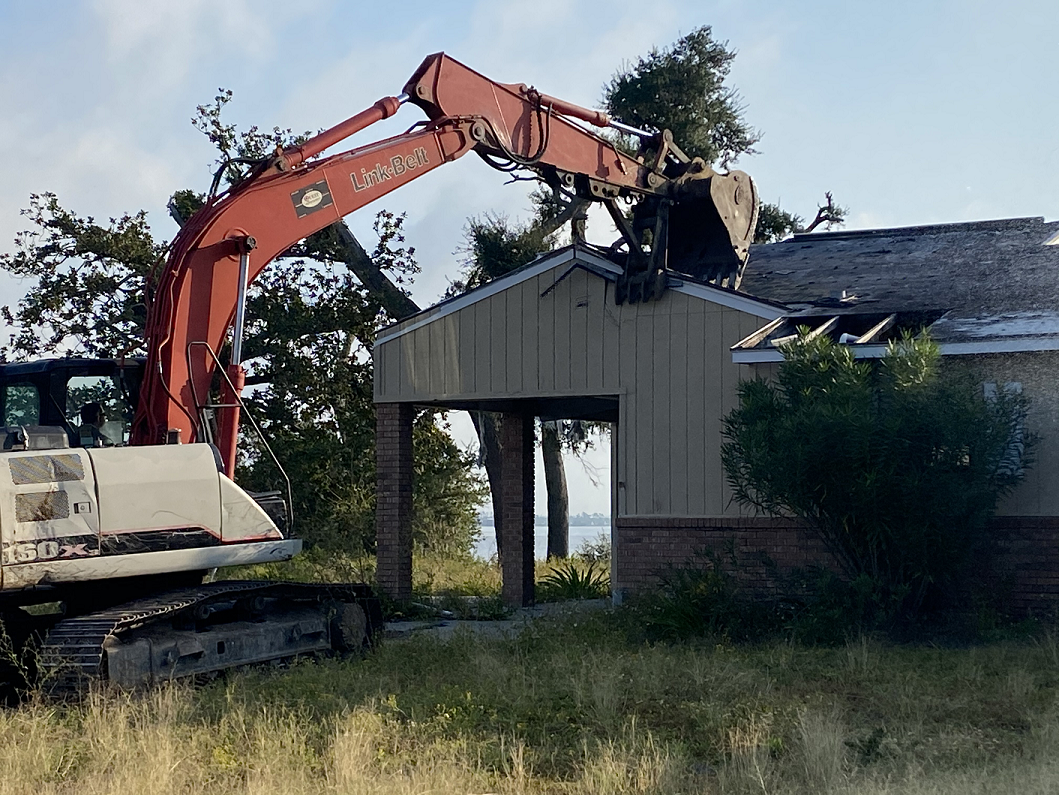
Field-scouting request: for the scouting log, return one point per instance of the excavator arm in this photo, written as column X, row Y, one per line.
column 201, row 289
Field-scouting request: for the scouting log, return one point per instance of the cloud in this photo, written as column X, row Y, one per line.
column 168, row 39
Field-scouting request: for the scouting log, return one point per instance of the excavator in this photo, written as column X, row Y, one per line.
column 117, row 491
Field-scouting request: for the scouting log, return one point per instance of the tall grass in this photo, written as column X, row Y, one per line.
column 569, row 706
column 445, row 575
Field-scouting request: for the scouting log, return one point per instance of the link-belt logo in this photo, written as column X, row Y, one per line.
column 382, row 172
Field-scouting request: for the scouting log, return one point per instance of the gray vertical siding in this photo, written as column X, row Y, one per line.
column 1038, row 493
column 668, row 361
column 516, row 343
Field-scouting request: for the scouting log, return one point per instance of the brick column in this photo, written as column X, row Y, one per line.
column 393, row 498
column 516, row 513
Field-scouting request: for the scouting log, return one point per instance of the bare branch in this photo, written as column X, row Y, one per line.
column 829, row 214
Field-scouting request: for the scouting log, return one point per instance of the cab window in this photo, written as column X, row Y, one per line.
column 97, row 400
column 21, row 404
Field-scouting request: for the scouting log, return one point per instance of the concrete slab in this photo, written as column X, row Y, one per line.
column 445, row 628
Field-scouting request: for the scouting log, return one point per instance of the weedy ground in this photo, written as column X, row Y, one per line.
column 572, row 705
column 584, row 575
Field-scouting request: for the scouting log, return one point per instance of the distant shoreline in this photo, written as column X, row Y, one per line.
column 577, row 520
column 485, row 548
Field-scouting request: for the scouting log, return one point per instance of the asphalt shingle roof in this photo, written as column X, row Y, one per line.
column 986, row 279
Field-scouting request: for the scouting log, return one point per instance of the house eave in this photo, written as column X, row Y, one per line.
column 576, row 255
column 1018, row 345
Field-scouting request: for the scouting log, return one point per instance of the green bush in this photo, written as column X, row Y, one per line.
column 825, row 609
column 812, row 606
column 896, row 464
column 702, row 601
column 570, row 580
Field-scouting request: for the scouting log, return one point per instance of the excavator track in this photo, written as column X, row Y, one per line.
column 77, row 650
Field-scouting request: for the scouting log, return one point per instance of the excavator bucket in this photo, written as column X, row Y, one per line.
column 711, row 225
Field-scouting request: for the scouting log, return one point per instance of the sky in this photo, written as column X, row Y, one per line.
column 908, row 112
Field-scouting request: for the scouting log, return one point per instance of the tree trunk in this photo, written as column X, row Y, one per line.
column 400, row 306
column 388, row 294
column 558, row 499
column 485, row 427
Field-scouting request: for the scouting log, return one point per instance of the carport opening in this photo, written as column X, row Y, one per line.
column 514, row 476
column 589, row 500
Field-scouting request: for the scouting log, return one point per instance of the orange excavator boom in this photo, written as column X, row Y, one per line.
column 201, row 289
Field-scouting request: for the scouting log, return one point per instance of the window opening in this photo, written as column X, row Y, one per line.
column 21, row 404
column 1011, row 461
column 96, row 407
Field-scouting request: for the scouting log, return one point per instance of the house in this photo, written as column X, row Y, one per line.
column 550, row 341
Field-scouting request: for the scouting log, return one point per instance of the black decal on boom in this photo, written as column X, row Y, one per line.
column 312, row 198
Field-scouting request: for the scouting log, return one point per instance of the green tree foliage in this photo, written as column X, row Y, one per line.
column 448, row 490
column 897, row 465
column 494, row 246
column 87, row 294
column 774, row 223
column 682, row 88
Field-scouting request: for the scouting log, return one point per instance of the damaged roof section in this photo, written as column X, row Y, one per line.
column 988, row 286
column 868, row 333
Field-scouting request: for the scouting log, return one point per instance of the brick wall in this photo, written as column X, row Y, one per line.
column 765, row 548
column 1020, row 573
column 393, row 498
column 1023, row 569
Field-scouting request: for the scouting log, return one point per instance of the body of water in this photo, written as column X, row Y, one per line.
column 486, row 546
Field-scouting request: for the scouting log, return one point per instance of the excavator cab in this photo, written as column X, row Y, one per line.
column 42, row 401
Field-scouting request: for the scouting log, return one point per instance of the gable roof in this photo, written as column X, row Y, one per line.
column 984, row 281
column 584, row 257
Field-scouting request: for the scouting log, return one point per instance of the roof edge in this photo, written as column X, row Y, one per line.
column 743, row 302
column 878, row 351
column 995, row 225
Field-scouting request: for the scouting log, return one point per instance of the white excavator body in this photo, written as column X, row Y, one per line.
column 89, row 514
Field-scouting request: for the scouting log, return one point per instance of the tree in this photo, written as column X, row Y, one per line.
column 775, row 224
column 558, row 496
column 87, row 296
column 682, row 89
column 494, row 246
column 896, row 464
